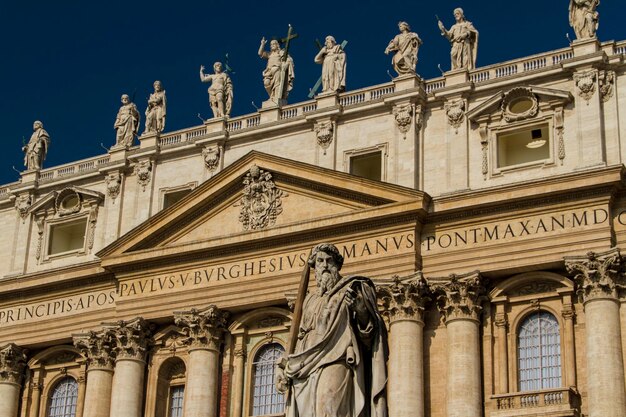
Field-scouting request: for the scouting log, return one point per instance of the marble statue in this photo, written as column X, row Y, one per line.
column 37, row 147
column 333, row 60
column 156, row 110
column 126, row 123
column 220, row 91
column 338, row 366
column 278, row 72
column 405, row 45
column 464, row 40
column 583, row 17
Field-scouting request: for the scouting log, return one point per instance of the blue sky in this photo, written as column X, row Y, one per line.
column 67, row 63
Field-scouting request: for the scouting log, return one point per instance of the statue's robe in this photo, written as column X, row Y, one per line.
column 333, row 69
column 338, row 368
column 464, row 39
column 406, row 45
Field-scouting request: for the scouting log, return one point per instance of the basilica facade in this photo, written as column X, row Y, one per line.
column 488, row 206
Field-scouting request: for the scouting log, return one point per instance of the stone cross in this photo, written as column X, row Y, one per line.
column 286, row 41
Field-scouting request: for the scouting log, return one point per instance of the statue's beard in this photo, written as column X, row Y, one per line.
column 327, row 280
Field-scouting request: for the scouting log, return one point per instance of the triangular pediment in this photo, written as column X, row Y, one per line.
column 257, row 199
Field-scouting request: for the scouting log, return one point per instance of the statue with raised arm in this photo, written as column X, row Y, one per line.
column 463, row 38
column 583, row 17
column 36, row 149
column 126, row 123
column 405, row 45
column 279, row 72
column 338, row 365
column 220, row 91
column 156, row 110
column 333, row 60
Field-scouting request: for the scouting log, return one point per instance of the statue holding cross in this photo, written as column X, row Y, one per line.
column 278, row 75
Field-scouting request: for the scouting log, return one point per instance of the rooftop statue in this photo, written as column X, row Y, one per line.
column 405, row 45
column 37, row 147
column 464, row 40
column 333, row 60
column 156, row 111
column 220, row 91
column 583, row 17
column 126, row 123
column 337, row 367
column 279, row 74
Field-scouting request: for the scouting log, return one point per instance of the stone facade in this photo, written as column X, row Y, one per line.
column 495, row 202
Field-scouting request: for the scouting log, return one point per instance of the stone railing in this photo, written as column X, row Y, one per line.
column 4, row 190
column 435, row 84
column 243, row 122
column 533, row 402
column 366, row 94
column 289, row 112
column 183, row 135
column 78, row 167
column 620, row 48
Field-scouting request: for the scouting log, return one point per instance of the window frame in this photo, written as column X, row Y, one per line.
column 54, row 385
column 250, row 374
column 190, row 186
column 52, row 223
column 383, row 148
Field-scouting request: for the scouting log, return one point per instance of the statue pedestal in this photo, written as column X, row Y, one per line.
column 407, row 82
column 117, row 153
column 269, row 114
column 330, row 99
column 215, row 125
column 455, row 77
column 31, row 175
column 149, row 140
column 583, row 47
column 268, row 104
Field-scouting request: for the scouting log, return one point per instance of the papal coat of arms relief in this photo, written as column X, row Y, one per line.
column 261, row 200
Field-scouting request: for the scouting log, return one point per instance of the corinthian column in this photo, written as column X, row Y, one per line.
column 204, row 329
column 132, row 339
column 403, row 310
column 12, row 364
column 598, row 279
column 97, row 347
column 459, row 298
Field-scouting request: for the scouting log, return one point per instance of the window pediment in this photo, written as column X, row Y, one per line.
column 67, row 201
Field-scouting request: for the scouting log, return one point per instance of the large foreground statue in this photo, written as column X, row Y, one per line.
column 338, row 367
column 405, row 45
column 463, row 38
column 36, row 149
column 583, row 17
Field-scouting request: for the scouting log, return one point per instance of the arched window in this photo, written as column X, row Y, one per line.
column 63, row 398
column 266, row 399
column 177, row 393
column 539, row 352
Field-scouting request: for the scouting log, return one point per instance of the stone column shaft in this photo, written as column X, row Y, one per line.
column 503, row 354
column 98, row 393
column 12, row 364
column 10, row 394
column 570, row 352
column 204, row 330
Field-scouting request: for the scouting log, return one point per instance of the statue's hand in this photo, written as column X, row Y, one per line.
column 201, row 67
column 282, row 382
column 357, row 304
column 263, row 41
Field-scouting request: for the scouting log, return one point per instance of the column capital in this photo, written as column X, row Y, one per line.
column 459, row 296
column 12, row 363
column 597, row 275
column 404, row 299
column 132, row 338
column 204, row 328
column 97, row 347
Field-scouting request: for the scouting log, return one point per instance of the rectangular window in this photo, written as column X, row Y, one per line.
column 174, row 197
column 367, row 165
column 523, row 146
column 67, row 237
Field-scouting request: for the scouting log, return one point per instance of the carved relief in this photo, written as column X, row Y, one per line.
column 558, row 127
column 597, row 275
column 203, row 328
column 22, row 204
column 404, row 300
column 12, row 363
column 270, row 322
column 607, row 82
column 586, row 84
column 39, row 222
column 460, row 296
column 419, row 117
column 324, row 132
column 535, row 288
column 211, row 156
column 68, row 201
column 519, row 104
column 455, row 111
column 484, row 143
column 143, row 170
column 404, row 116
column 92, row 219
column 132, row 338
column 261, row 201
column 62, row 358
column 114, row 184
column 97, row 347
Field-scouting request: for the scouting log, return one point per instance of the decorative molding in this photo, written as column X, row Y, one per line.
column 132, row 338
column 61, row 205
column 113, row 184
column 12, row 363
column 403, row 114
column 97, row 347
column 40, row 223
column 459, row 296
column 586, row 84
column 203, row 328
column 212, row 156
column 597, row 275
column 143, row 170
column 324, row 132
column 404, row 300
column 261, row 201
column 91, row 221
column 501, row 320
column 517, row 95
column 607, row 85
column 558, row 128
column 455, row 112
column 240, row 352
column 484, row 143
column 534, row 288
column 419, row 117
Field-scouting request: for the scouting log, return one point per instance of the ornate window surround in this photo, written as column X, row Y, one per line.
column 383, row 148
column 492, row 118
column 168, row 190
